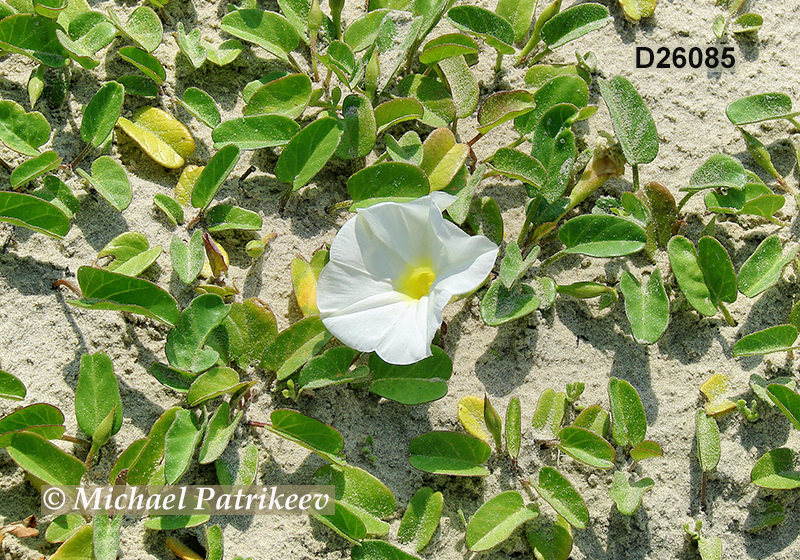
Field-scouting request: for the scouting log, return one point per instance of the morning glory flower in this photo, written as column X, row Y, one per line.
column 393, row 268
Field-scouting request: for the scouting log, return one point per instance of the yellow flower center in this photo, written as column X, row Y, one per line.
column 417, row 282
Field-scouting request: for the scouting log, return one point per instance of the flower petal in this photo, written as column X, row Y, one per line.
column 465, row 262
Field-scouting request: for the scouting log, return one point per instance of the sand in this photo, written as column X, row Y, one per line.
column 42, row 338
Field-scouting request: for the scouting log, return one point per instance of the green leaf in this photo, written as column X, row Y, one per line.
column 718, row 273
column 11, row 387
column 574, row 22
column 780, row 338
column 638, row 9
column 22, row 132
column 718, row 171
column 171, row 208
column 359, row 127
column 309, row 433
column 253, row 133
column 395, row 111
column 516, row 165
column 139, row 85
column 497, row 519
column 707, row 433
column 201, row 106
column 308, row 152
column 686, row 268
column 362, row 493
column 759, row 386
column 143, row 27
column 110, row 180
column 29, row 170
column 78, row 546
column 787, row 401
column 763, row 514
column 297, row 12
column 449, row 453
column 184, row 348
column 35, row 37
column 462, row 85
column 485, row 219
column 241, row 473
column 174, row 522
column 347, row 525
column 223, row 217
column 587, row 447
column 537, row 76
column 442, row 157
column 49, row 8
column 560, row 90
column 331, row 368
column 594, row 419
column 503, row 106
column 131, row 254
column 213, row 175
column 759, row 108
column 101, row 114
column 145, row 62
column 244, row 334
column 218, row 433
column 549, row 413
column 143, row 460
column 106, row 536
column 628, row 421
column 181, row 440
column 421, row 382
column 270, row 31
column 559, row 493
column 447, row 46
column 213, row 383
column 287, row 96
column 551, row 541
column 776, row 470
column 627, row 496
column 63, row 527
column 513, row 427
column 388, row 179
column 59, row 194
column 633, row 123
column 294, row 346
column 362, row 32
column 602, row 236
column 501, row 305
column 397, row 34
column 225, row 53
column 765, row 267
column 187, row 262
column 97, row 394
column 646, row 306
column 108, row 290
column 42, row 419
column 341, row 60
column 44, row 460
column 519, row 13
column 190, row 45
column 437, row 102
column 489, row 26
column 421, row 518
column 646, row 450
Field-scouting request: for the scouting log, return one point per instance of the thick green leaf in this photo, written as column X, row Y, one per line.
column 223, row 54
column 396, row 36
column 495, row 30
column 764, row 267
column 718, row 272
column 362, row 493
column 312, row 434
column 362, row 32
column 101, row 114
column 187, row 262
column 760, row 107
column 218, row 433
column 131, row 254
column 22, row 132
column 42, row 419
column 497, row 519
column 574, row 22
column 388, row 179
column 359, row 127
column 287, row 96
column 308, row 152
column 551, row 541
column 244, row 334
column 340, row 58
column 501, row 305
column 78, row 546
column 519, row 13
column 442, row 157
column 447, row 46
column 421, row 382
column 602, row 236
column 707, row 433
column 503, row 106
column 241, row 473
column 560, row 90
column 11, row 387
column 174, row 522
column 594, row 419
column 59, row 194
column 559, row 493
column 110, row 180
column 395, row 111
column 549, row 413
column 462, row 84
column 268, row 30
column 223, row 217
column 587, row 447
column 485, row 219
column 348, row 525
column 718, row 171
column 513, row 427
column 145, row 62
column 184, row 348
column 108, row 290
column 787, row 401
column 437, row 102
column 776, row 470
column 171, row 208
column 105, row 536
column 63, row 527
column 143, row 27
column 686, row 268
column 214, row 174
column 29, row 170
column 646, row 450
column 295, row 346
column 33, row 36
column 517, row 165
column 181, row 440
column 421, row 518
column 628, row 421
column 143, row 462
column 44, row 460
column 201, row 106
column 331, row 368
column 213, row 383
column 97, row 394
column 191, row 46
column 646, row 305
column 139, row 85
column 633, row 123
column 627, row 496
column 780, row 338
column 449, row 453
column 253, row 133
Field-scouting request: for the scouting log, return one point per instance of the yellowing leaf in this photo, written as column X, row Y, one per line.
column 470, row 414
column 186, row 182
column 305, row 287
column 151, row 144
column 160, row 135
column 715, row 390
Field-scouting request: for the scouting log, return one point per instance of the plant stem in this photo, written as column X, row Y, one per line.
column 635, row 177
column 727, row 314
column 685, row 199
column 703, row 491
column 293, row 62
column 5, row 166
column 338, row 206
column 67, row 284
column 477, row 137
column 76, row 440
column 554, row 258
column 498, row 65
column 247, row 173
column 80, row 156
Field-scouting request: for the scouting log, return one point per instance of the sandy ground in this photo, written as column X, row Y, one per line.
column 42, row 338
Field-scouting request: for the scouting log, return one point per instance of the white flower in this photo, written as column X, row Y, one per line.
column 392, row 269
